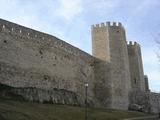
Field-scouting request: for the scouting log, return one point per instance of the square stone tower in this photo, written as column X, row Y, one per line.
column 136, row 67
column 109, row 45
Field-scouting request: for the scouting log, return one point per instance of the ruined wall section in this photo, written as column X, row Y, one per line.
column 29, row 58
column 155, row 102
column 140, row 98
column 136, row 66
column 109, row 45
column 149, row 101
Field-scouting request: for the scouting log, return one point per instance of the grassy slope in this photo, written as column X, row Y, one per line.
column 14, row 110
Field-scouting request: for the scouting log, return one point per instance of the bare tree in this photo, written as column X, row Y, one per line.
column 156, row 38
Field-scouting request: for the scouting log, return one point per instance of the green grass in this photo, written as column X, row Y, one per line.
column 16, row 110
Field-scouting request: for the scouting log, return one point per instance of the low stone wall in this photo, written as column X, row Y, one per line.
column 144, row 118
column 149, row 101
column 155, row 102
column 142, row 99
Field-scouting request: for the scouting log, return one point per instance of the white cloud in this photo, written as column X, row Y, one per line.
column 68, row 9
column 102, row 6
column 149, row 56
column 141, row 8
column 29, row 13
column 154, row 75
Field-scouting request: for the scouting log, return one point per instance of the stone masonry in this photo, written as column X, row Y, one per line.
column 33, row 63
column 109, row 45
column 136, row 67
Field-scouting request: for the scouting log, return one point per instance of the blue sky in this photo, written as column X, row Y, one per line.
column 70, row 20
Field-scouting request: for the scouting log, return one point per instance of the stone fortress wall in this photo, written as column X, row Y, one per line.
column 32, row 59
column 29, row 58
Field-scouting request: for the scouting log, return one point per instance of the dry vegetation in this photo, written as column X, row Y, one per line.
column 16, row 110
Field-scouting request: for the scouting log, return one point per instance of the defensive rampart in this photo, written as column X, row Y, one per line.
column 29, row 58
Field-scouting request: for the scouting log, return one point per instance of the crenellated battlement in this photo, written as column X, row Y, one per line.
column 107, row 24
column 52, row 41
column 131, row 43
column 16, row 29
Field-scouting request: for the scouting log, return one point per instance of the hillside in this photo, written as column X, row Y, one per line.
column 16, row 110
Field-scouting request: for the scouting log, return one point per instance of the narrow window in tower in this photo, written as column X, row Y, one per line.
column 135, row 81
column 5, row 41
